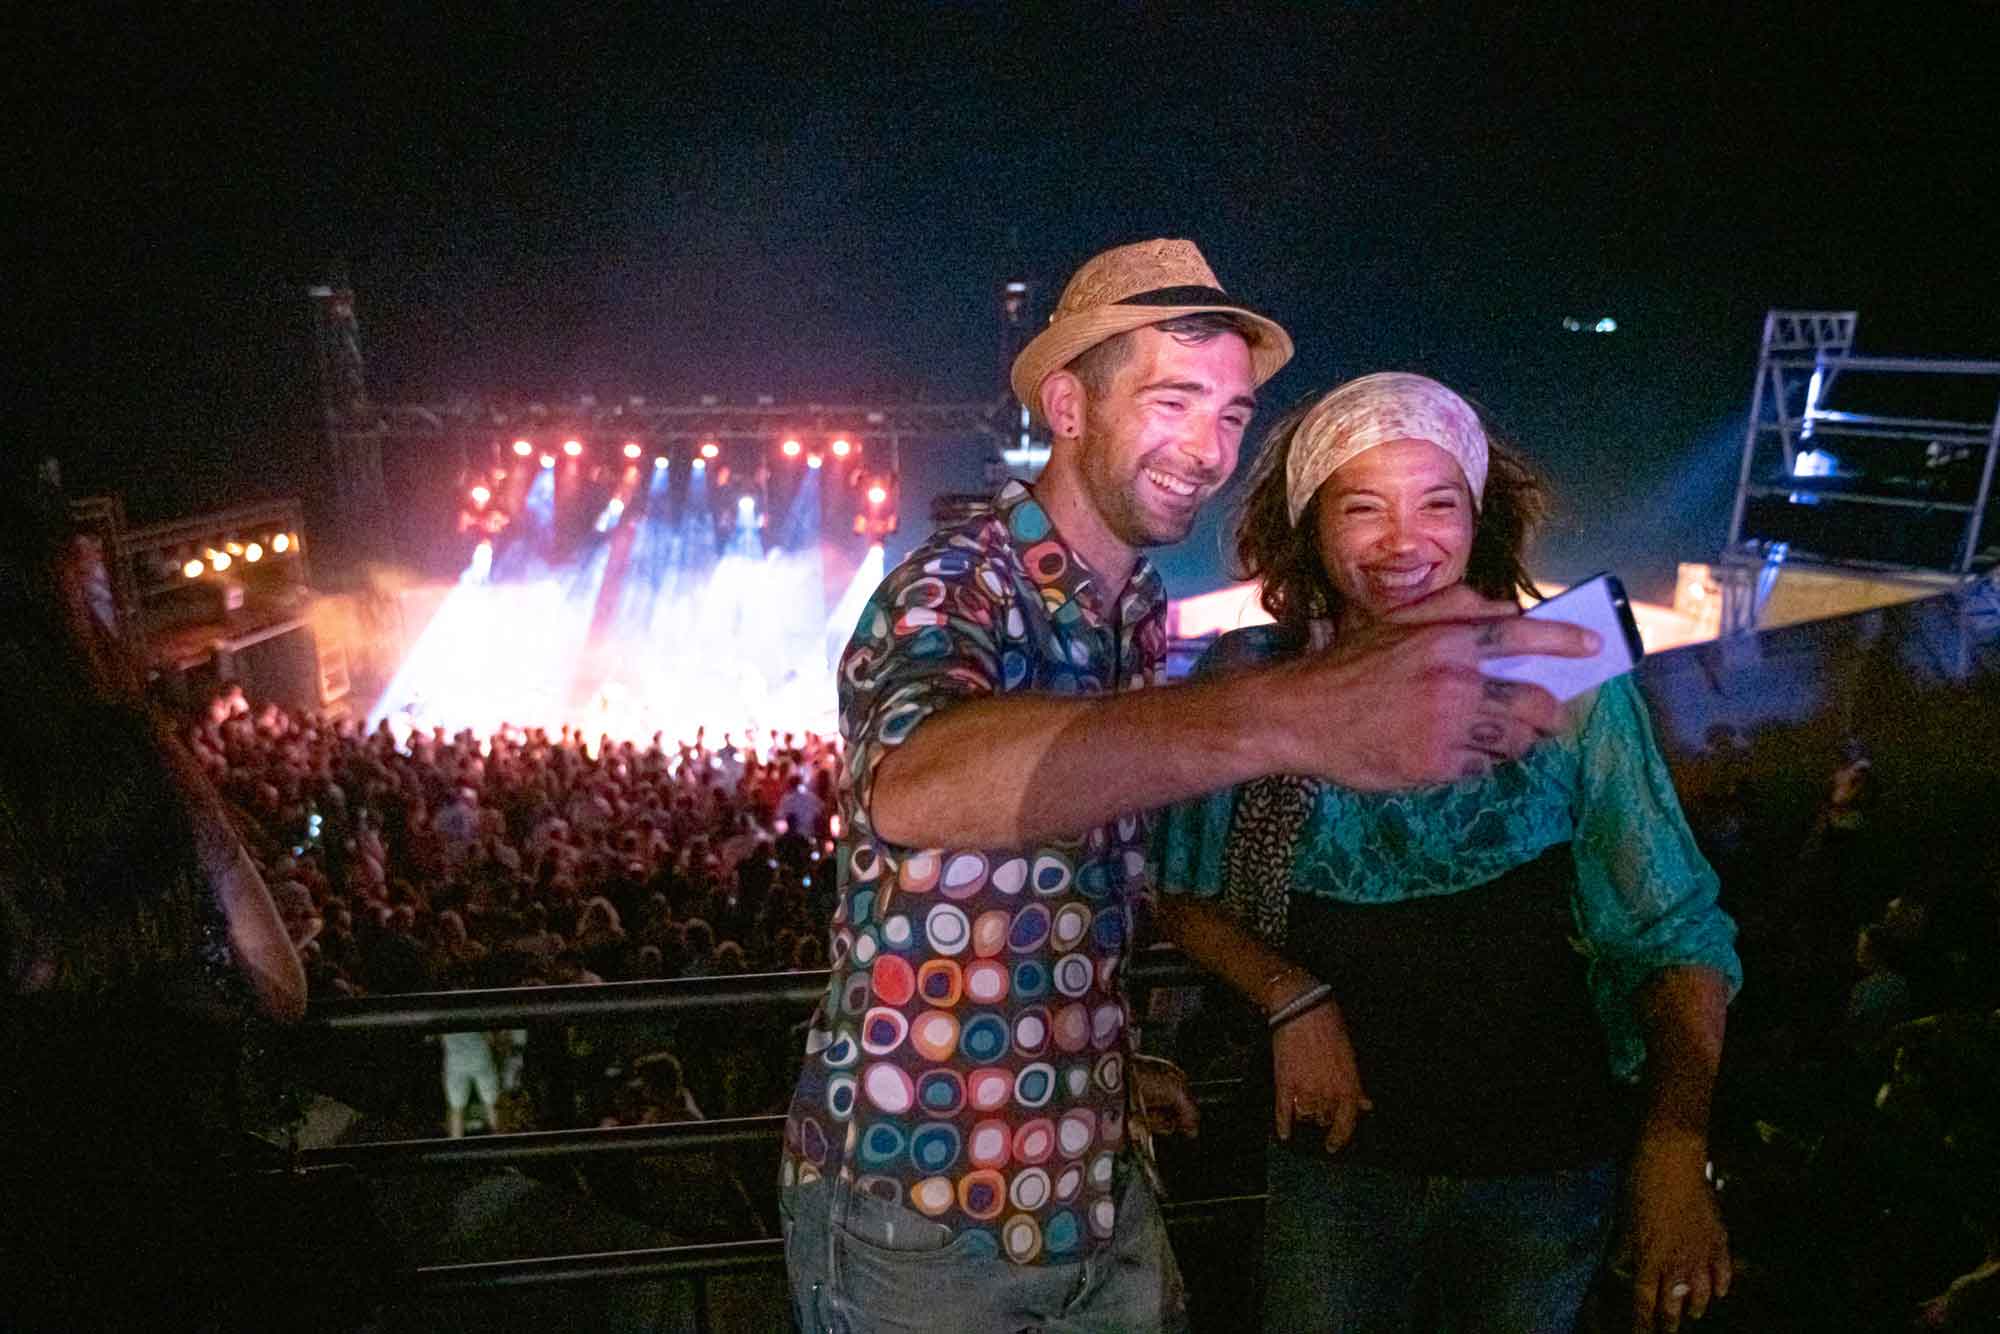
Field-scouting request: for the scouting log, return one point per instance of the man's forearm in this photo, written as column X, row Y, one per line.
column 1404, row 706
column 1684, row 1012
column 1008, row 770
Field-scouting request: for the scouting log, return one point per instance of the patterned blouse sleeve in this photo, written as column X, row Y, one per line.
column 1646, row 897
column 928, row 638
column 1188, row 844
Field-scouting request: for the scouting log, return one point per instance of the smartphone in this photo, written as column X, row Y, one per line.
column 1599, row 604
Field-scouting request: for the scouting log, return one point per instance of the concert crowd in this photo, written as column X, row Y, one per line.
column 526, row 858
column 523, row 857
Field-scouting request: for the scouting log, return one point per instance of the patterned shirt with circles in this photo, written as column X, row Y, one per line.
column 968, row 1060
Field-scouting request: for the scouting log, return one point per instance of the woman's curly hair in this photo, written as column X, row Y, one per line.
column 1284, row 556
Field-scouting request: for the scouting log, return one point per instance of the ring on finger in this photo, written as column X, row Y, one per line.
column 1680, row 1289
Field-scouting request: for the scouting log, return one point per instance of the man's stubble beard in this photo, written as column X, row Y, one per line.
column 1117, row 502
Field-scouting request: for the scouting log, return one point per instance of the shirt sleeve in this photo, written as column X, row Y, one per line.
column 927, row 639
column 1646, row 897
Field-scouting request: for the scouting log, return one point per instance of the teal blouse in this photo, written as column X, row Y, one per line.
column 1645, row 897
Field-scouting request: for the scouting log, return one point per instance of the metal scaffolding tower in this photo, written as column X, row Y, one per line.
column 354, row 429
column 1865, row 462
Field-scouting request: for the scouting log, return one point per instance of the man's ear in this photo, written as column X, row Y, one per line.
column 1063, row 399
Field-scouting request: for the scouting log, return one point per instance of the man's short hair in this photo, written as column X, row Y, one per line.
column 1096, row 366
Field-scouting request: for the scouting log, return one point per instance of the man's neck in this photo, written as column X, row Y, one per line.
column 1061, row 494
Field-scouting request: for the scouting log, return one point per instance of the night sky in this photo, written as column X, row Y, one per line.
column 819, row 203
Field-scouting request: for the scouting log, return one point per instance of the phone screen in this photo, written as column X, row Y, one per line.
column 1598, row 604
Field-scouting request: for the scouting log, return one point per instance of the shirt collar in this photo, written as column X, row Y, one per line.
column 1071, row 578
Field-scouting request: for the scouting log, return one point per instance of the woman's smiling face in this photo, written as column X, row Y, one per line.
column 1395, row 525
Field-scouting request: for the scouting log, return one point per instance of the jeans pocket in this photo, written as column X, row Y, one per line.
column 910, row 1274
column 877, row 1228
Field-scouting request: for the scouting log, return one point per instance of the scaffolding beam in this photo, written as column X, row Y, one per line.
column 1915, row 463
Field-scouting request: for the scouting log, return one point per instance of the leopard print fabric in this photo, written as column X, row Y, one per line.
column 1257, row 861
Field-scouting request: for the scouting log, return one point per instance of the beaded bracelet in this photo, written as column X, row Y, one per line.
column 1311, row 998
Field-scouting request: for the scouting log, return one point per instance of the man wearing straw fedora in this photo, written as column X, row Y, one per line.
column 957, row 1154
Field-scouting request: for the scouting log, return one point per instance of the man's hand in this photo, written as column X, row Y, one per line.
column 1312, row 1063
column 1404, row 704
column 1161, row 1088
column 1675, row 1248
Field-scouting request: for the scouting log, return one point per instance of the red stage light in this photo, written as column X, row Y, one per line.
column 710, row 450
column 841, row 447
column 632, row 450
column 480, row 495
column 572, row 447
column 792, row 448
column 877, row 493
column 524, row 448
column 812, row 460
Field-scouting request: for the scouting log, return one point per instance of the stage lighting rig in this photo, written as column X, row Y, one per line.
column 523, row 448
column 572, row 447
column 878, row 519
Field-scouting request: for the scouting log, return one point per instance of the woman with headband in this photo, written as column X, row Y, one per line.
column 1463, row 985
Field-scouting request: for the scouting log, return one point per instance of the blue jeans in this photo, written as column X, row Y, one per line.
column 1368, row 1250
column 859, row 1265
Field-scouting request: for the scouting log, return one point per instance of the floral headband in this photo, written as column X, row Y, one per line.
column 1376, row 410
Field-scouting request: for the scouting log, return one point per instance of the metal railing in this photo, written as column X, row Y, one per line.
column 791, row 994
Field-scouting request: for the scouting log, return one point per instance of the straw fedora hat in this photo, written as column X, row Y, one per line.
column 1127, row 288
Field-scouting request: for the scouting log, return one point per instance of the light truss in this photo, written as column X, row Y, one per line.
column 1803, row 357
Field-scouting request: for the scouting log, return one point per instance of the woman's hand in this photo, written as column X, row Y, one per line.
column 1676, row 1247
column 1313, row 1065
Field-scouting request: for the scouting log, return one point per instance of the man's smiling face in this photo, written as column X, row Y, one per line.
column 1165, row 434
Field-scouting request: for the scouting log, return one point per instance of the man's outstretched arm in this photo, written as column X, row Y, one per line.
column 1402, row 706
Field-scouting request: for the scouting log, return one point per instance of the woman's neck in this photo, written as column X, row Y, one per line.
column 1351, row 622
